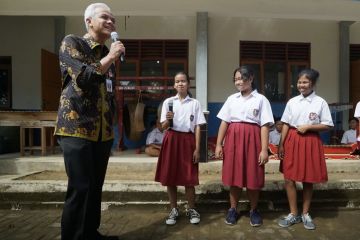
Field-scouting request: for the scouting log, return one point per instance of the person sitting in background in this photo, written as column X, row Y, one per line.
column 274, row 135
column 154, row 140
column 349, row 136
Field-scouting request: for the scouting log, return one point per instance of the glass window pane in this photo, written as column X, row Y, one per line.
column 256, row 68
column 294, row 71
column 274, row 81
column 128, row 69
column 173, row 68
column 151, row 68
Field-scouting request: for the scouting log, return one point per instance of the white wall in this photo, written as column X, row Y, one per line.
column 22, row 38
column 355, row 33
column 225, row 34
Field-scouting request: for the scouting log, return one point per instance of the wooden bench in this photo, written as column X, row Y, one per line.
column 43, row 126
column 28, row 121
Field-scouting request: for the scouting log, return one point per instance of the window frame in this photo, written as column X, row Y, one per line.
column 255, row 53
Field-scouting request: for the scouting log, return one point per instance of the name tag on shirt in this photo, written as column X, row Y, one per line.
column 109, row 87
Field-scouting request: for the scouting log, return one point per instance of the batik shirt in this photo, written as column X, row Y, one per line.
column 87, row 106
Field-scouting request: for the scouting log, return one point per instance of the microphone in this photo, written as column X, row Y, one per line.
column 170, row 105
column 115, row 38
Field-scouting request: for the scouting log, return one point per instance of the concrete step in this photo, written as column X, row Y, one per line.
column 139, row 163
column 341, row 191
column 41, row 181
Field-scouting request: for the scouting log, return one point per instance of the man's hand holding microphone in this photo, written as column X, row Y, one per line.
column 117, row 51
column 118, row 47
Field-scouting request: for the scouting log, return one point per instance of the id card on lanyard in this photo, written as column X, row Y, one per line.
column 109, row 87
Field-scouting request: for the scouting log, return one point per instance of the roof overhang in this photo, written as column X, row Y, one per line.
column 339, row 10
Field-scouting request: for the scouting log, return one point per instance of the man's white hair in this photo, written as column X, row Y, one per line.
column 91, row 9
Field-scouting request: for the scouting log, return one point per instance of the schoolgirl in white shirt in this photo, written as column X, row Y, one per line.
column 179, row 154
column 244, row 131
column 301, row 149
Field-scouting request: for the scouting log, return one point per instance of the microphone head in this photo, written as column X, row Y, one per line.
column 170, row 105
column 114, row 36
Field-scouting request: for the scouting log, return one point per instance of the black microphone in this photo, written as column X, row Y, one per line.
column 115, row 38
column 170, row 105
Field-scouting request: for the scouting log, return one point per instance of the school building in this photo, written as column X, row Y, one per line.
column 206, row 38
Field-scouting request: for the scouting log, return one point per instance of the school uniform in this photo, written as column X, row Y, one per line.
column 349, row 137
column 304, row 159
column 242, row 143
column 357, row 110
column 274, row 137
column 357, row 115
column 155, row 137
column 175, row 164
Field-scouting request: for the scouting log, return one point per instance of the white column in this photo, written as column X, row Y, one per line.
column 202, row 58
column 201, row 75
column 344, row 68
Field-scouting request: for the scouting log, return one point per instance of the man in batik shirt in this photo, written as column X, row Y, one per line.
column 85, row 119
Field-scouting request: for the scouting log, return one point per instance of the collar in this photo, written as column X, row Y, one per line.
column 187, row 98
column 254, row 93
column 308, row 98
column 90, row 40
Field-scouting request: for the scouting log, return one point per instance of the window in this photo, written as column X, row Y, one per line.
column 354, row 52
column 151, row 65
column 276, row 66
column 5, row 82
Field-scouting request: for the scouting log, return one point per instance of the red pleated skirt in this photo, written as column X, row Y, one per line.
column 175, row 165
column 304, row 159
column 241, row 154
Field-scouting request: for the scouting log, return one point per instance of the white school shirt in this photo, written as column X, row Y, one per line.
column 154, row 137
column 274, row 137
column 357, row 114
column 311, row 110
column 357, row 110
column 349, row 136
column 187, row 114
column 254, row 108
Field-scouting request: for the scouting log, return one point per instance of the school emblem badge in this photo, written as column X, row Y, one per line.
column 191, row 117
column 255, row 112
column 312, row 116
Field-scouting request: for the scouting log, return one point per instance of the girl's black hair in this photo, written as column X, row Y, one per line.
column 187, row 79
column 310, row 74
column 353, row 118
column 247, row 73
